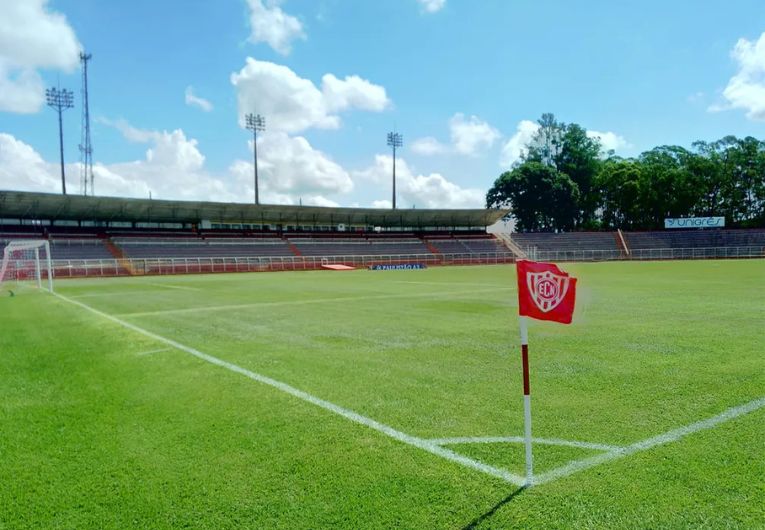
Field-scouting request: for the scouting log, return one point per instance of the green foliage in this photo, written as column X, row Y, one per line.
column 579, row 158
column 546, row 198
column 619, row 185
column 722, row 178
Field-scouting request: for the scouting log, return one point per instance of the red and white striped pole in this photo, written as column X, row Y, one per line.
column 526, row 400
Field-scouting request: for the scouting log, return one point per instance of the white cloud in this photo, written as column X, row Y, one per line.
column 386, row 204
column 472, row 135
column 173, row 168
column 468, row 137
column 422, row 191
column 318, row 200
column 291, row 103
column 352, row 92
column 290, row 170
column 746, row 89
column 432, row 6
column 515, row 147
column 31, row 38
column 609, row 141
column 193, row 100
column 20, row 91
column 290, row 165
column 273, row 26
column 22, row 168
column 130, row 133
column 428, row 146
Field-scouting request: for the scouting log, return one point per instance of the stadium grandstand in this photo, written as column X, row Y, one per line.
column 119, row 236
column 107, row 236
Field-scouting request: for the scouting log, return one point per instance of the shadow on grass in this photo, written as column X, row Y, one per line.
column 481, row 518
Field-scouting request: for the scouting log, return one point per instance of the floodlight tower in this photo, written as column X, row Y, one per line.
column 60, row 100
column 86, row 148
column 394, row 140
column 255, row 123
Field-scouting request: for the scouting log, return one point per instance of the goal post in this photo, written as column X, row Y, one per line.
column 27, row 260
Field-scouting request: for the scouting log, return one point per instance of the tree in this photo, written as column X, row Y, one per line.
column 579, row 158
column 737, row 180
column 545, row 145
column 540, row 196
column 746, row 180
column 618, row 186
column 706, row 164
column 567, row 148
column 563, row 182
column 668, row 188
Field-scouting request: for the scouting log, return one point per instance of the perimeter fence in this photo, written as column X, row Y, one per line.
column 159, row 266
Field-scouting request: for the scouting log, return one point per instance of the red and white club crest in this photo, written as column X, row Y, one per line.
column 547, row 289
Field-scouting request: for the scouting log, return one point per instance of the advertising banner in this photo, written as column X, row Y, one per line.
column 695, row 222
column 397, row 266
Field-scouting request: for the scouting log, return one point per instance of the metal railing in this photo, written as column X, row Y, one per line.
column 639, row 254
column 158, row 266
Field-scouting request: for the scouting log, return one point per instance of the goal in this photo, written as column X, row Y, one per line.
column 27, row 260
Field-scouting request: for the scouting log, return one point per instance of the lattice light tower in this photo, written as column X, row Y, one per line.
column 255, row 123
column 395, row 140
column 86, row 148
column 60, row 100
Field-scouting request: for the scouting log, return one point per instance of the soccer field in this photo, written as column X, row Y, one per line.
column 385, row 399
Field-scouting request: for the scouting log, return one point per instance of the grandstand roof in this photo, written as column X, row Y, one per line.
column 29, row 205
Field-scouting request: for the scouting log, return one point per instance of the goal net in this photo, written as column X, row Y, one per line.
column 28, row 261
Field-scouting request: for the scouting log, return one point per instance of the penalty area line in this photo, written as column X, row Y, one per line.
column 520, row 440
column 348, row 414
column 152, row 352
column 166, row 286
column 649, row 443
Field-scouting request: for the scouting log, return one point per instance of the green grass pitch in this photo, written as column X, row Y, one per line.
column 107, row 426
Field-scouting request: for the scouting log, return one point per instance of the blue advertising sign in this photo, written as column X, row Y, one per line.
column 695, row 222
column 397, row 266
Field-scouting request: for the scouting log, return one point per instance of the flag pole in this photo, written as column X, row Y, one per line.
column 526, row 399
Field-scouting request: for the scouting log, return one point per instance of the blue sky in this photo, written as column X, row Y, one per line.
column 463, row 81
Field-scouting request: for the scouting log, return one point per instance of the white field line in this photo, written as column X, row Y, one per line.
column 649, row 443
column 520, row 440
column 448, row 284
column 126, row 292
column 166, row 286
column 305, row 302
column 414, row 441
column 150, row 352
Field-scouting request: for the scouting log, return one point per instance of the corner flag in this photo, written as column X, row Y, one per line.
column 546, row 293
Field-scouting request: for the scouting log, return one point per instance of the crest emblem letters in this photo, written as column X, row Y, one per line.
column 547, row 289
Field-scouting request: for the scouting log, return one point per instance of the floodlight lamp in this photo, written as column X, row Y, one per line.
column 255, row 122
column 395, row 139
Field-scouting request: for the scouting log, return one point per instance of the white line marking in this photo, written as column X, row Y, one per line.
column 153, row 351
column 520, row 440
column 429, row 445
column 414, row 441
column 649, row 443
column 448, row 284
column 304, row 302
column 166, row 286
column 126, row 292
